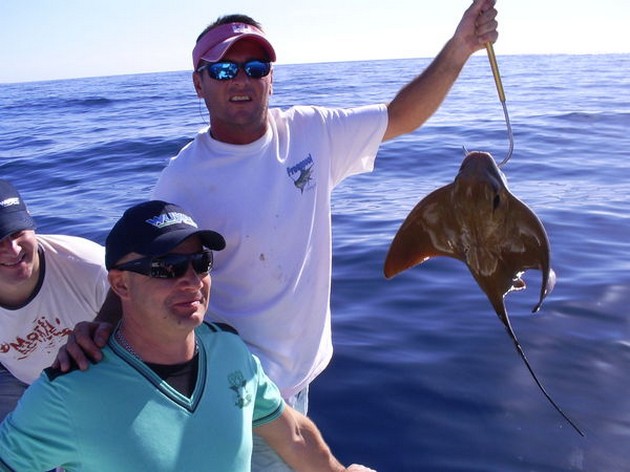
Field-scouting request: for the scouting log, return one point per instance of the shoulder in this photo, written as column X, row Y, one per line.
column 220, row 327
column 52, row 373
column 76, row 259
column 191, row 147
column 80, row 248
column 175, row 175
column 225, row 339
column 297, row 112
column 212, row 333
column 75, row 378
column 348, row 138
column 301, row 113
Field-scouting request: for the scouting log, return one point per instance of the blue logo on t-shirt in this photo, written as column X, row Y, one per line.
column 302, row 174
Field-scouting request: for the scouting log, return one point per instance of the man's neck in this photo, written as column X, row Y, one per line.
column 237, row 135
column 157, row 351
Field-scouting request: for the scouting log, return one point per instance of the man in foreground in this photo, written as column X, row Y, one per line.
column 171, row 392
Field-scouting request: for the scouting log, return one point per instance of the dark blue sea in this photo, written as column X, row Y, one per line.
column 424, row 376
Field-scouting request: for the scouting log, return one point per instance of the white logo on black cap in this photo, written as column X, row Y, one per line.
column 10, row 202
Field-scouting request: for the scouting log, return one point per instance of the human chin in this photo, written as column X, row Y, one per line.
column 192, row 310
column 19, row 268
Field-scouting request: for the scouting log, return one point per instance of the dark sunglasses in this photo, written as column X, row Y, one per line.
column 226, row 70
column 170, row 266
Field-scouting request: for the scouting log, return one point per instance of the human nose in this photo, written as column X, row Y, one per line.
column 191, row 277
column 241, row 75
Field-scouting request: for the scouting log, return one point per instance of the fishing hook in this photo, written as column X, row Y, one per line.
column 497, row 80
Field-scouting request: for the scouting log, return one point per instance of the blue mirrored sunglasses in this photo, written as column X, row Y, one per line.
column 226, row 70
column 169, row 266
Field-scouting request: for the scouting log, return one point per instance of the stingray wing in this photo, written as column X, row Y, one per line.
column 427, row 232
column 530, row 246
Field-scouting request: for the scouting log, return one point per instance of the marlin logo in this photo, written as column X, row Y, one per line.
column 168, row 219
column 302, row 173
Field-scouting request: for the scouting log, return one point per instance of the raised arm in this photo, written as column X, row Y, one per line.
column 297, row 440
column 421, row 97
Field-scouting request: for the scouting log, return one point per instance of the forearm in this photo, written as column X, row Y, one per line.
column 417, row 101
column 88, row 337
column 420, row 98
column 111, row 311
column 310, row 453
column 297, row 440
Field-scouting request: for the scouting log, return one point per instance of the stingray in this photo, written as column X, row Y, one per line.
column 477, row 220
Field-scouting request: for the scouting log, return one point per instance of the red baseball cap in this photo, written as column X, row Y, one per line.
column 214, row 44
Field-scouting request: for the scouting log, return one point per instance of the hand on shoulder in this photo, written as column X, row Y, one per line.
column 83, row 346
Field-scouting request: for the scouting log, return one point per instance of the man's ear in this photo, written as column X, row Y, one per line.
column 196, row 77
column 119, row 283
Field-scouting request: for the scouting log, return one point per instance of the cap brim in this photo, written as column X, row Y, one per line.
column 18, row 223
column 217, row 52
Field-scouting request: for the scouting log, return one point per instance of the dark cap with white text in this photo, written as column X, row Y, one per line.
column 14, row 215
column 154, row 228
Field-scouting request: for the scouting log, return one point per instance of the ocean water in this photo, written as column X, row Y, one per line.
column 424, row 376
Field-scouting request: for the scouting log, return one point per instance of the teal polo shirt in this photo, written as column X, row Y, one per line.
column 119, row 415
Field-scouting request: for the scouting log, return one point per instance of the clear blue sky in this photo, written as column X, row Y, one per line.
column 52, row 39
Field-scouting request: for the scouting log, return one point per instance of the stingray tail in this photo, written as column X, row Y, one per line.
column 542, row 389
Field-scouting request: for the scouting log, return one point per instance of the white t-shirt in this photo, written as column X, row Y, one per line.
column 73, row 289
column 271, row 200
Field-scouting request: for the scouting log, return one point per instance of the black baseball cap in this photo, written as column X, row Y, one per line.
column 14, row 215
column 153, row 228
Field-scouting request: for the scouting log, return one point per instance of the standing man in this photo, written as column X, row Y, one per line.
column 48, row 283
column 271, row 173
column 172, row 393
